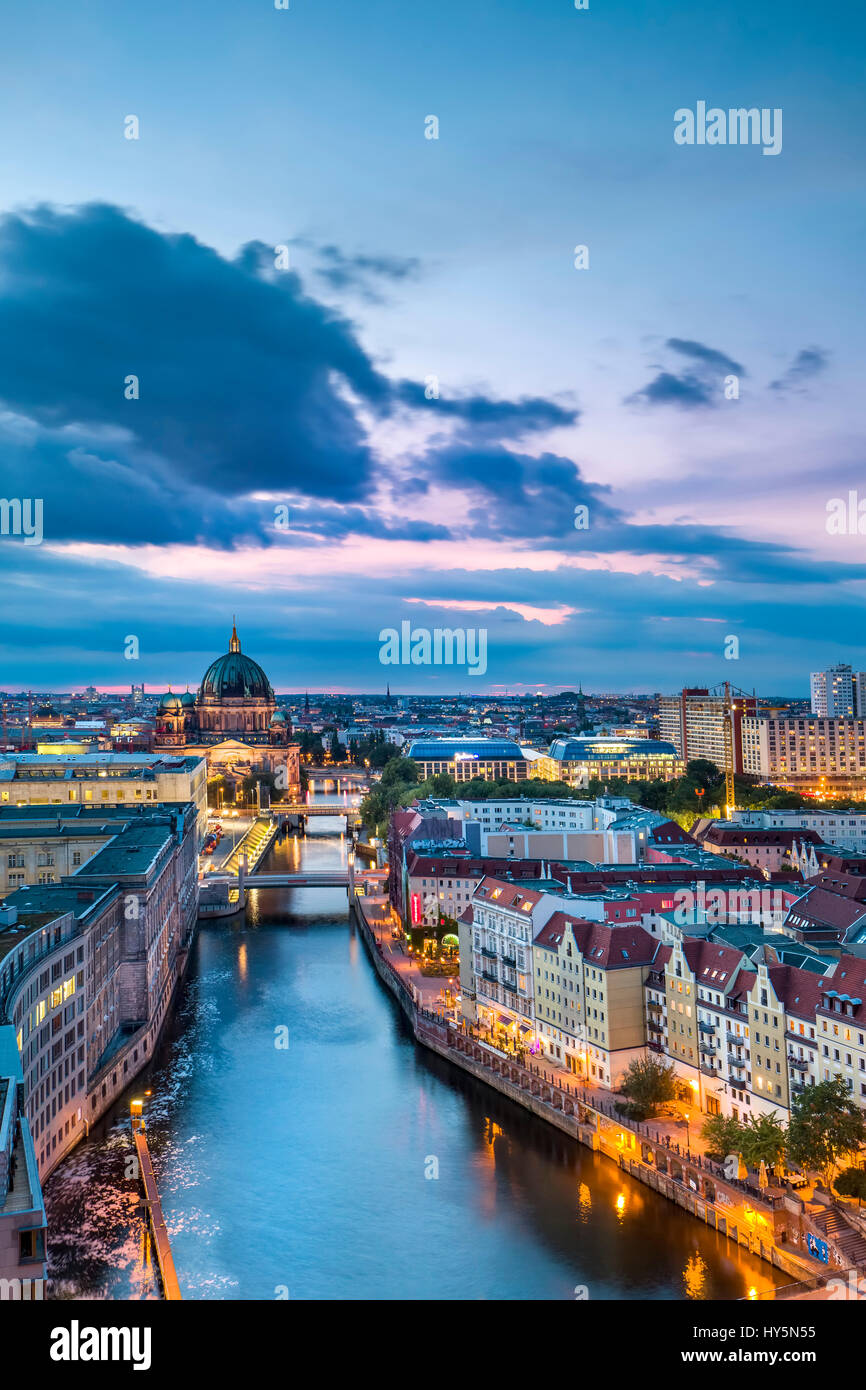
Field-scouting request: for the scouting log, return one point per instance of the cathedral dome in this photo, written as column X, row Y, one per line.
column 235, row 677
column 187, row 698
column 170, row 703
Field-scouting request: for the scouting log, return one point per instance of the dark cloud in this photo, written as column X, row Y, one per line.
column 808, row 363
column 361, row 272
column 242, row 377
column 700, row 386
column 517, row 495
column 709, row 357
column 481, row 418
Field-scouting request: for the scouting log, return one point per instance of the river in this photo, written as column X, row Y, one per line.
column 306, row 1147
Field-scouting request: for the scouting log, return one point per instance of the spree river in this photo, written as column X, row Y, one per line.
column 301, row 1170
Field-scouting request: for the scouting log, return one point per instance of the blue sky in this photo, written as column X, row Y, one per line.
column 412, row 259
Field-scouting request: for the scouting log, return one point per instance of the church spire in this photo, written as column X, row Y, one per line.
column 235, row 643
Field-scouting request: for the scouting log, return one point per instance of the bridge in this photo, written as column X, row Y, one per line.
column 323, row 808
column 336, row 878
column 337, row 774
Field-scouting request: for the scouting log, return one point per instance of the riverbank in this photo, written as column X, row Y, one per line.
column 764, row 1224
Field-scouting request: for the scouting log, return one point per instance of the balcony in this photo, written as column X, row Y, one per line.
column 737, row 1061
column 490, row 955
column 707, row 1048
column 488, row 975
column 707, row 1027
column 510, row 962
column 798, row 1063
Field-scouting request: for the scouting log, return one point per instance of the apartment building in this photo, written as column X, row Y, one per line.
column 589, row 994
column 811, row 753
column 22, row 1211
column 505, row 916
column 694, row 722
column 444, row 883
column 768, row 850
column 45, row 855
column 838, row 692
column 843, row 829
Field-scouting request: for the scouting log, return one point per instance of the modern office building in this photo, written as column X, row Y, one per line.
column 579, row 761
column 492, row 759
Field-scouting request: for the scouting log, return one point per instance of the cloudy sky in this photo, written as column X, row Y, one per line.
column 396, row 415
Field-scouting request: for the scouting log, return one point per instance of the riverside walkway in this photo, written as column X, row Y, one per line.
column 165, row 1259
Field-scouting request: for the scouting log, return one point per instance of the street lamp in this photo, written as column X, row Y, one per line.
column 688, row 1144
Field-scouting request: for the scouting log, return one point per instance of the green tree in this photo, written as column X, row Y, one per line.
column 442, row 784
column 723, row 1135
column 763, row 1138
column 851, row 1182
column 826, row 1124
column 648, row 1083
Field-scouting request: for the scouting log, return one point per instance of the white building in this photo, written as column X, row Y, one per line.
column 838, row 692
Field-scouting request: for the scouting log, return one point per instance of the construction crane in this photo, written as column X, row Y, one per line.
column 728, row 725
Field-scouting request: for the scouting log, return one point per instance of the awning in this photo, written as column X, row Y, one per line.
column 525, row 1028
column 504, row 1020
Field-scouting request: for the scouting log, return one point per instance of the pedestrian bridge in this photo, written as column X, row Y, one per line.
column 336, row 878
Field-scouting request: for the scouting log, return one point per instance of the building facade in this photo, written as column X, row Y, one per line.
column 811, row 753
column 578, row 761
column 694, row 722
column 838, row 693
column 103, row 780
column 88, row 968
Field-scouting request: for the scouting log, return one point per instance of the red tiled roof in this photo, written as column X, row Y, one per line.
column 706, row 956
column 721, row 834
column 824, row 908
column 799, row 990
column 603, row 944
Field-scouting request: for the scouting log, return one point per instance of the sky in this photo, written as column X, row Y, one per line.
column 373, row 381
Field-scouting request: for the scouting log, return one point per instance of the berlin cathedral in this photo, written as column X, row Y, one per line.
column 233, row 722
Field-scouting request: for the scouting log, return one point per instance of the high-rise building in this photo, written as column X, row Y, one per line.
column 694, row 722
column 838, row 692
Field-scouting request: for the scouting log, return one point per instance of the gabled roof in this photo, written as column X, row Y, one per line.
column 608, row 946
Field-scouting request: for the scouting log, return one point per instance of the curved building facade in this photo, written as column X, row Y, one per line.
column 578, row 761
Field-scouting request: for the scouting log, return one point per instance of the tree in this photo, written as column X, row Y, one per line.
column 851, row 1182
column 723, row 1135
column 826, row 1123
column 764, row 1139
column 442, row 784
column 648, row 1083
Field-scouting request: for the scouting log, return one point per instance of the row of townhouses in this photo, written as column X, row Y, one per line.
column 747, row 1011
